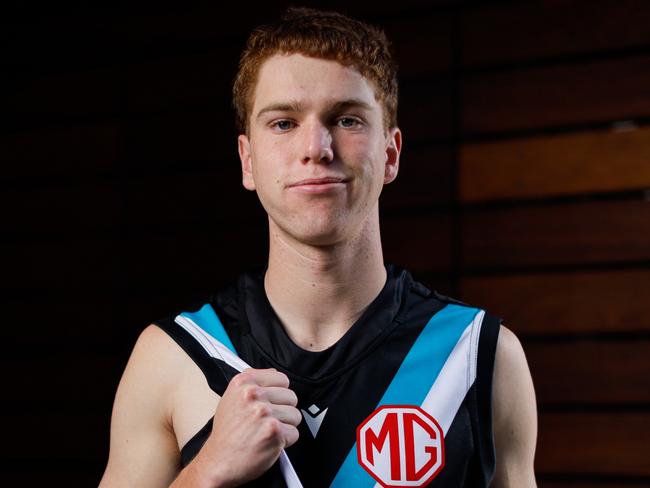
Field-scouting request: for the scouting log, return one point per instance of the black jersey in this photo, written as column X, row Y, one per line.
column 402, row 399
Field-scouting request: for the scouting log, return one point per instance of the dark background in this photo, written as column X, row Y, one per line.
column 523, row 189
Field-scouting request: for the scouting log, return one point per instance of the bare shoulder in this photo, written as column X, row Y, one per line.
column 143, row 449
column 514, row 414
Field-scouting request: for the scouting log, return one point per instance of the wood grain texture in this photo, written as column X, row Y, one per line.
column 579, row 163
column 556, row 234
column 556, row 95
column 565, row 303
column 586, row 372
column 520, row 31
column 593, row 443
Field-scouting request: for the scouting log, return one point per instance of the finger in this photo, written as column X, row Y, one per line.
column 286, row 415
column 278, row 395
column 266, row 377
column 290, row 434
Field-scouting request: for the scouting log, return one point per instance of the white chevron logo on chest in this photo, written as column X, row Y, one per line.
column 313, row 418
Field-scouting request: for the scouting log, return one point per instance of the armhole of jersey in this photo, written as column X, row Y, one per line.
column 485, row 369
column 213, row 372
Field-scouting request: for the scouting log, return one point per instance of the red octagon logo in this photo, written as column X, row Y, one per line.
column 401, row 445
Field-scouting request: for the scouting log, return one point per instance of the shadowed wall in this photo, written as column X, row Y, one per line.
column 523, row 189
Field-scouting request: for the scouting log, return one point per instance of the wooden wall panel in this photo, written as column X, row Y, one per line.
column 590, row 372
column 556, row 234
column 425, row 111
column 411, row 36
column 556, row 95
column 598, row 161
column 424, row 179
column 593, row 443
column 421, row 244
column 134, row 106
column 565, row 303
column 521, row 31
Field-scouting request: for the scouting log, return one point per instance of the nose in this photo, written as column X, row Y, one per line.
column 317, row 142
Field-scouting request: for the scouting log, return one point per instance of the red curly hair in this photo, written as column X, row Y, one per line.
column 319, row 34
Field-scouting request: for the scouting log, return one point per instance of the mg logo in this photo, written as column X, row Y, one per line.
column 401, row 445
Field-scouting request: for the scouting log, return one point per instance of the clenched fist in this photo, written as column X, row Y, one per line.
column 255, row 420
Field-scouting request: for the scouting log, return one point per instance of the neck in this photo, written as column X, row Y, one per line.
column 318, row 292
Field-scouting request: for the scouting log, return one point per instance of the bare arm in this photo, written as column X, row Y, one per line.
column 255, row 419
column 514, row 415
column 143, row 449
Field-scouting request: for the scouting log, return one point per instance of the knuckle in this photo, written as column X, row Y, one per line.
column 273, row 428
column 239, row 380
column 262, row 410
column 251, row 392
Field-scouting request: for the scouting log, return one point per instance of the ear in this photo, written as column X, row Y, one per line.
column 393, row 149
column 244, row 147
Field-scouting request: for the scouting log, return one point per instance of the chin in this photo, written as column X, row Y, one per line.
column 315, row 233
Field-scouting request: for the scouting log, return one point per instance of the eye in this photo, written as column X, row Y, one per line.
column 282, row 125
column 349, row 122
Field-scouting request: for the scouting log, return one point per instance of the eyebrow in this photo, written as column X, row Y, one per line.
column 295, row 106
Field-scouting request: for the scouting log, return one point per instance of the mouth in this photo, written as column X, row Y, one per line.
column 319, row 185
column 318, row 181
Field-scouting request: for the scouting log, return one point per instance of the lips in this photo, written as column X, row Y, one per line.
column 318, row 181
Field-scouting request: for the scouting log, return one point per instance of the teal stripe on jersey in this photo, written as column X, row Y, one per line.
column 207, row 319
column 414, row 378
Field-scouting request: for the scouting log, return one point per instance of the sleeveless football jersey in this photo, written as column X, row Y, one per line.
column 402, row 399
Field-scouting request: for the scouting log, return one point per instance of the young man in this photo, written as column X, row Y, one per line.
column 353, row 373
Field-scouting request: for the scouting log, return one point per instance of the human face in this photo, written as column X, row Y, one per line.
column 316, row 151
